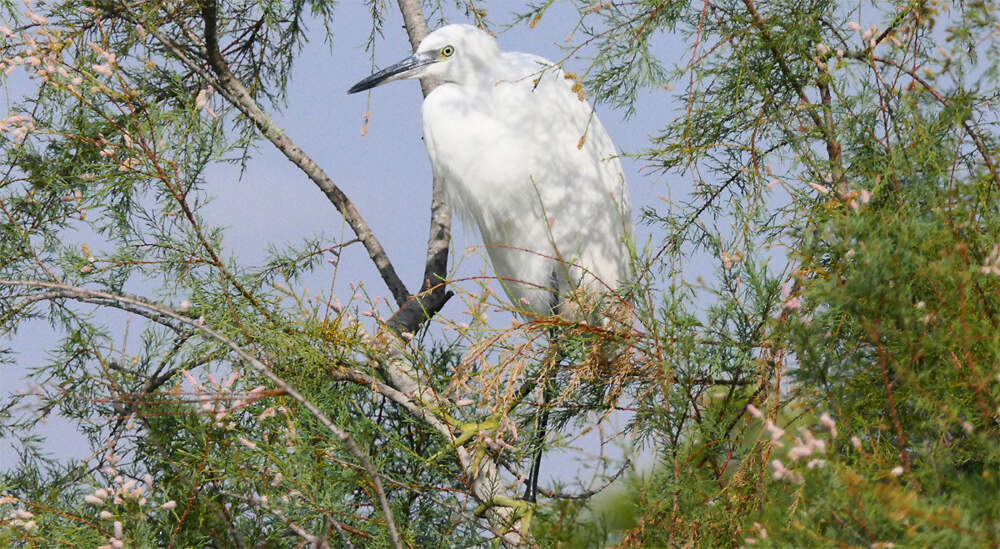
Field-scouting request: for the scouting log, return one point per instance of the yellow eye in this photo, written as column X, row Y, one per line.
column 447, row 51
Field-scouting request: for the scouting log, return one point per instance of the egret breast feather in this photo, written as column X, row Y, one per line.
column 526, row 162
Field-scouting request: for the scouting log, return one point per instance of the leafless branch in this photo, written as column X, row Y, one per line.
column 433, row 295
column 588, row 493
column 243, row 100
column 230, row 87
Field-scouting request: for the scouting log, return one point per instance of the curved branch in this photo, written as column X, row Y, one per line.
column 398, row 397
column 244, row 101
column 552, row 494
column 230, row 87
column 163, row 320
column 131, row 303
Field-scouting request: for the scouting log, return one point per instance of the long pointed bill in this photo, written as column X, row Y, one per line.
column 407, row 68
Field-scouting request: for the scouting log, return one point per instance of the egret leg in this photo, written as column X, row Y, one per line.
column 548, row 390
column 531, row 490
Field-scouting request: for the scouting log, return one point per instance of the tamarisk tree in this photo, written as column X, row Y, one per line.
column 813, row 356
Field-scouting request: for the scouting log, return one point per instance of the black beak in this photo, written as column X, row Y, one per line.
column 407, row 68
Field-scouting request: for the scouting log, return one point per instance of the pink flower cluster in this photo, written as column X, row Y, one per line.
column 17, row 125
column 120, row 492
column 992, row 265
column 804, row 445
column 18, row 518
column 218, row 398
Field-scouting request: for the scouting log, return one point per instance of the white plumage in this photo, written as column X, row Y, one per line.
column 525, row 161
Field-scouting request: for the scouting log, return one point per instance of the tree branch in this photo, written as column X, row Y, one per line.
column 131, row 303
column 230, row 87
column 433, row 294
column 246, row 104
column 825, row 124
column 976, row 138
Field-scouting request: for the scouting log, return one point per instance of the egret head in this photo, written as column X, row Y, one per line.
column 453, row 53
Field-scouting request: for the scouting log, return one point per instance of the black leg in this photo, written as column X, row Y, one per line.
column 548, row 388
column 531, row 490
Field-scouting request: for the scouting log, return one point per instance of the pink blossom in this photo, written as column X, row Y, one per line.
column 104, row 69
column 169, row 505
column 35, row 18
column 776, row 433
column 190, row 379
column 818, row 187
column 992, row 265
column 248, row 443
column 779, row 469
column 202, row 102
column 829, row 424
column 270, row 412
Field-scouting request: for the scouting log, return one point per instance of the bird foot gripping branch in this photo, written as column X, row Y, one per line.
column 523, row 511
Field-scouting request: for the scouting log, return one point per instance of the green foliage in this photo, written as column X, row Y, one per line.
column 835, row 384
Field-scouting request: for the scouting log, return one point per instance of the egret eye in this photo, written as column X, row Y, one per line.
column 447, row 51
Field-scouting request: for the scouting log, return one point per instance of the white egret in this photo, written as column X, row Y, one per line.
column 524, row 159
